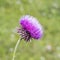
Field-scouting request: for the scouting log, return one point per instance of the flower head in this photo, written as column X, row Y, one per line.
column 30, row 28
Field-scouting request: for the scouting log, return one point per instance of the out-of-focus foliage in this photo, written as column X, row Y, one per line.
column 48, row 14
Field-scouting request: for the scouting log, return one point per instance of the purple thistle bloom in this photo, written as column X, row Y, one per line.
column 30, row 28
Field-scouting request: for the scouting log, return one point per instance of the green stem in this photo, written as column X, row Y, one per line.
column 16, row 48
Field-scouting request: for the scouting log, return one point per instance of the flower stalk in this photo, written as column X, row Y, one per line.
column 16, row 48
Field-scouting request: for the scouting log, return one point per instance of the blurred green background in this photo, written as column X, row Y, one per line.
column 48, row 14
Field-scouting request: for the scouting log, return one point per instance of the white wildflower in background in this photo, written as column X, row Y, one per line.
column 12, row 36
column 48, row 47
column 42, row 58
column 18, row 2
column 58, row 55
column 55, row 5
column 30, row 1
column 58, row 48
column 11, row 50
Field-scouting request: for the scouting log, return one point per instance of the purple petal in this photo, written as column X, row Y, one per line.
column 31, row 24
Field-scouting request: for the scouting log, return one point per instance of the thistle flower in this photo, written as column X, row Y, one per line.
column 30, row 28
